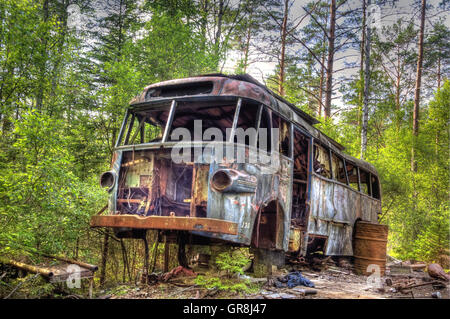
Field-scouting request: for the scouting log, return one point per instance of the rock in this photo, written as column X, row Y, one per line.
column 298, row 289
column 436, row 271
column 244, row 277
column 304, row 291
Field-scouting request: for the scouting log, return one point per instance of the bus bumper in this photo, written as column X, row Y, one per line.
column 210, row 225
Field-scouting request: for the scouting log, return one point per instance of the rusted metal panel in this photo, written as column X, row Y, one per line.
column 199, row 195
column 243, row 207
column 164, row 222
column 235, row 207
column 334, row 210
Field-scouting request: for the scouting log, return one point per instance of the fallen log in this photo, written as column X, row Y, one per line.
column 76, row 262
column 29, row 268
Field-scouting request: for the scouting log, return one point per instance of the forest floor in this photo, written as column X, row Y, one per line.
column 330, row 283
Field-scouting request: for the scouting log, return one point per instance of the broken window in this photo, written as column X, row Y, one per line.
column 352, row 172
column 337, row 165
column 218, row 116
column 322, row 161
column 145, row 126
column 246, row 124
column 375, row 187
column 284, row 137
column 264, row 132
column 299, row 215
column 365, row 182
column 301, row 145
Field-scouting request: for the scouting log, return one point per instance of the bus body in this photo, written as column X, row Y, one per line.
column 305, row 196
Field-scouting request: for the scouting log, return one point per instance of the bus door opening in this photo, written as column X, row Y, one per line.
column 300, row 206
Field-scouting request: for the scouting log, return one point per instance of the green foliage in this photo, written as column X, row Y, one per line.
column 31, row 286
column 224, row 284
column 41, row 197
column 232, row 262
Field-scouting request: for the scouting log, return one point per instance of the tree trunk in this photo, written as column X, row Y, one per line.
column 366, row 91
column 104, row 258
column 42, row 63
column 204, row 20
column 219, row 28
column 418, row 85
column 331, row 39
column 247, row 42
column 322, row 75
column 281, row 75
column 166, row 254
column 361, row 64
column 439, row 73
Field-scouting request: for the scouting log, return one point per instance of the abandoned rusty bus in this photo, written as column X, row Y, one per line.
column 308, row 202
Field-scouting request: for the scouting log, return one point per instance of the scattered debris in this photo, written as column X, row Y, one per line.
column 436, row 295
column 344, row 263
column 291, row 280
column 388, row 282
column 177, row 271
column 304, row 292
column 287, row 296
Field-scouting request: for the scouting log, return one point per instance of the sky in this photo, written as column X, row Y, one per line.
column 385, row 16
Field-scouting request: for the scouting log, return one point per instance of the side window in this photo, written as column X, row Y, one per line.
column 365, row 183
column 246, row 125
column 284, row 136
column 338, row 168
column 264, row 136
column 375, row 187
column 322, row 161
column 352, row 172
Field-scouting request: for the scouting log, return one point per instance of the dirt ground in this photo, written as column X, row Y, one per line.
column 330, row 283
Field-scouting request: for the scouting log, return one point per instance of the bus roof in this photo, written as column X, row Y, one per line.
column 244, row 86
